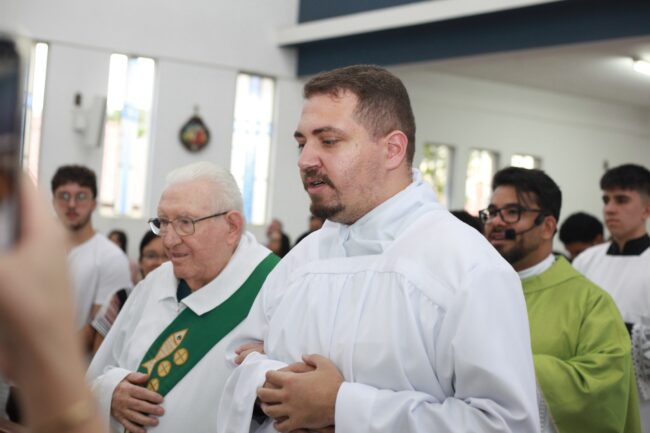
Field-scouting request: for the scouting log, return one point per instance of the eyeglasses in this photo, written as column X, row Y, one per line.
column 510, row 213
column 65, row 197
column 183, row 226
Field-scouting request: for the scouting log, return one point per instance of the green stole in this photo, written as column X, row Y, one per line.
column 189, row 337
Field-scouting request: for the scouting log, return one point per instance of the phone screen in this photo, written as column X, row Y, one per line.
column 10, row 126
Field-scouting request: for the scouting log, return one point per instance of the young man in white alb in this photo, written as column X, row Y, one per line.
column 622, row 266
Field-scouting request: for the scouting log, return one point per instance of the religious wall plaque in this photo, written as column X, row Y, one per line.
column 195, row 135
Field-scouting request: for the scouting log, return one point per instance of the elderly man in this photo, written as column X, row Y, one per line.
column 407, row 318
column 170, row 338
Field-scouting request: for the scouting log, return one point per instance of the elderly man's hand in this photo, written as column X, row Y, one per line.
column 245, row 349
column 133, row 405
column 302, row 396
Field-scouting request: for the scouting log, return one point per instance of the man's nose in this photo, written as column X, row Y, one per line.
column 308, row 156
column 170, row 237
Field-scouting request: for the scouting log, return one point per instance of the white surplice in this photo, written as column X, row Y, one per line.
column 191, row 406
column 424, row 319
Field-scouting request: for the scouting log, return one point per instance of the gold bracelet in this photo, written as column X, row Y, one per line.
column 73, row 416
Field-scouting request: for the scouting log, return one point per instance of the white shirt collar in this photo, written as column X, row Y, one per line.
column 373, row 232
column 538, row 268
column 247, row 256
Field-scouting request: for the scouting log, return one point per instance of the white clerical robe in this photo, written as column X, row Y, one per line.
column 625, row 277
column 426, row 322
column 191, row 406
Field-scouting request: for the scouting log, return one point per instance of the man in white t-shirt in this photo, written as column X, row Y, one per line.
column 97, row 266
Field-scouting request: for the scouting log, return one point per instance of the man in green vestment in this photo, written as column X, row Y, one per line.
column 581, row 348
column 162, row 365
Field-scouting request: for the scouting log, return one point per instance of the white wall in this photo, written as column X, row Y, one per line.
column 230, row 34
column 574, row 136
column 199, row 47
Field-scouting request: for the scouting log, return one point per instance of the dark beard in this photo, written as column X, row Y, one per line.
column 319, row 209
column 513, row 256
column 325, row 212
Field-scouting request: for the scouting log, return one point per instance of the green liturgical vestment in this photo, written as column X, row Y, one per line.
column 582, row 353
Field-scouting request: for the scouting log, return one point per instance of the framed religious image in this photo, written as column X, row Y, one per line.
column 194, row 135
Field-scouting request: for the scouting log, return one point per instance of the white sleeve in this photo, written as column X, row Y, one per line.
column 105, row 372
column 484, row 345
column 114, row 274
column 103, row 387
column 240, row 391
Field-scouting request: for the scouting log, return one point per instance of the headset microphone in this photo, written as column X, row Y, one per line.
column 511, row 234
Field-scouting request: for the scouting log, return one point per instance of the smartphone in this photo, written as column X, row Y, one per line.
column 10, row 142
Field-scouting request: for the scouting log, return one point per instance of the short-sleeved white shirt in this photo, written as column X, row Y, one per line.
column 98, row 269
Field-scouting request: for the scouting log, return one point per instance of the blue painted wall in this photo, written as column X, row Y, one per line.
column 311, row 10
column 551, row 24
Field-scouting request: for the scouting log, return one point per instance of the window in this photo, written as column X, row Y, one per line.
column 525, row 161
column 480, row 169
column 436, row 169
column 126, row 135
column 34, row 108
column 251, row 142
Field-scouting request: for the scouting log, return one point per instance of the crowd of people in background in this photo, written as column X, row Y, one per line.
column 388, row 314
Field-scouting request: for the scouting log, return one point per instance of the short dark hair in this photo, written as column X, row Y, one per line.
column 75, row 174
column 383, row 102
column 121, row 237
column 468, row 219
column 627, row 176
column 146, row 239
column 580, row 227
column 535, row 182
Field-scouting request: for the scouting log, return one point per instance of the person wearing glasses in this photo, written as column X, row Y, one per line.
column 580, row 345
column 163, row 362
column 97, row 266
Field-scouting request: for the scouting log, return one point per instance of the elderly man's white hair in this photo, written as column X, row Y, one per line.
column 228, row 196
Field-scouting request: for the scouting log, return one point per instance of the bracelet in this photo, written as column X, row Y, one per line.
column 73, row 416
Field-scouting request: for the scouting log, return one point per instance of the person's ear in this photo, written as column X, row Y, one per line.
column 396, row 146
column 646, row 206
column 235, row 222
column 549, row 227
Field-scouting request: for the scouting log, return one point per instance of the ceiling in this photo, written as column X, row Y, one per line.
column 601, row 70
